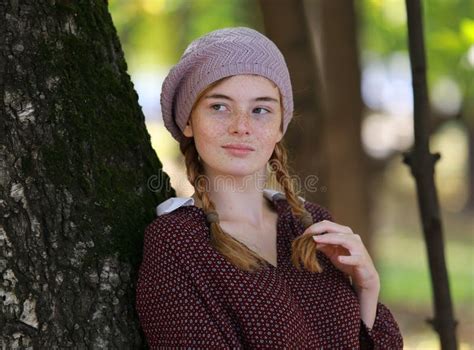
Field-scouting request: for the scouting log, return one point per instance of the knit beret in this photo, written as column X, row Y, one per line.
column 216, row 55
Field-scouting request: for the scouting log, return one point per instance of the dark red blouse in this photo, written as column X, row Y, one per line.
column 189, row 295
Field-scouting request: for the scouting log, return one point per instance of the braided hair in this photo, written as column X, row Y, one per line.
column 303, row 247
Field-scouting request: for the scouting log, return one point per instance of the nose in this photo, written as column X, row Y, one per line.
column 240, row 123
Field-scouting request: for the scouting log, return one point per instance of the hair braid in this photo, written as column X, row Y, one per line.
column 303, row 248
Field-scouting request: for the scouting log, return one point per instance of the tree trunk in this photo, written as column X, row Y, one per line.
column 285, row 24
column 334, row 31
column 470, row 164
column 421, row 162
column 325, row 137
column 79, row 179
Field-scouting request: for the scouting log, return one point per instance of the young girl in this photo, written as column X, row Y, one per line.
column 238, row 265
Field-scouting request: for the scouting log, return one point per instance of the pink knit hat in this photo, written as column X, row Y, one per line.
column 218, row 54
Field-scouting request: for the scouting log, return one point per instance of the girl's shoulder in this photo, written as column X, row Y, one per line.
column 318, row 212
column 177, row 216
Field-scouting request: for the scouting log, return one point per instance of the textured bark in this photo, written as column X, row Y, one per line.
column 79, row 179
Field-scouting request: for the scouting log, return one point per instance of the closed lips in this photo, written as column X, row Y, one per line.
column 238, row 146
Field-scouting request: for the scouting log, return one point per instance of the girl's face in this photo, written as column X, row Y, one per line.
column 242, row 111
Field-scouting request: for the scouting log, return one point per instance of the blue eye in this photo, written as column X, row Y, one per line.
column 262, row 109
column 217, row 106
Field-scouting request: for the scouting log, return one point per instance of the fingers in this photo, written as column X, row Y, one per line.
column 327, row 226
column 350, row 242
column 352, row 260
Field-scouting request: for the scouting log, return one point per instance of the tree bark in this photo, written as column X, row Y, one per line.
column 421, row 162
column 285, row 24
column 79, row 179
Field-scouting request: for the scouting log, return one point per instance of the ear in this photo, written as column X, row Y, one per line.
column 188, row 129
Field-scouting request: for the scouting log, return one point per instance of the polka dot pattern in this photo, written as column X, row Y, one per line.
column 190, row 296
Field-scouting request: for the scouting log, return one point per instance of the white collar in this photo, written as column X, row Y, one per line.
column 175, row 202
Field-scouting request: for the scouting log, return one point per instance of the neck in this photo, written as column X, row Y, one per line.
column 242, row 203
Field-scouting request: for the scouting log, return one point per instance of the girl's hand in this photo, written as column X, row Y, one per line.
column 347, row 252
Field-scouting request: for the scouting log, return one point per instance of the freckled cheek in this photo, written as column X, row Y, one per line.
column 266, row 143
column 207, row 139
column 268, row 139
column 208, row 127
column 269, row 135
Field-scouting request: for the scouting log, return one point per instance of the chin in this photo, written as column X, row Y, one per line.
column 233, row 170
column 237, row 172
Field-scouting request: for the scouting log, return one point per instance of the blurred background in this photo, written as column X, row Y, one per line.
column 354, row 119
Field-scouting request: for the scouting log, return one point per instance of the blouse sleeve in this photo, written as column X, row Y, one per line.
column 385, row 333
column 170, row 310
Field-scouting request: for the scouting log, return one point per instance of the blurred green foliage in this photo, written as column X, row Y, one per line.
column 449, row 35
column 405, row 275
column 156, row 32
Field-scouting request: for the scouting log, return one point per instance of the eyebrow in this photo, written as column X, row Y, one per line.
column 225, row 97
